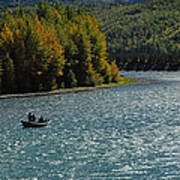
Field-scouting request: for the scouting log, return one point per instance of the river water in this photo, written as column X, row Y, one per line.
column 125, row 132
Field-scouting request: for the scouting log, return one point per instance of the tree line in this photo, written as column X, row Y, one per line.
column 52, row 47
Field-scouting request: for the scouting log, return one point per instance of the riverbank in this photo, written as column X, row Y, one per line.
column 123, row 81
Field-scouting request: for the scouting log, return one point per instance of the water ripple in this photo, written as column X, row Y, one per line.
column 127, row 132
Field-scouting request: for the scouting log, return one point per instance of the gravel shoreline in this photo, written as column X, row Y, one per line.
column 65, row 91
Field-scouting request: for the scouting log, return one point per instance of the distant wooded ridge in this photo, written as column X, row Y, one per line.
column 23, row 2
column 142, row 36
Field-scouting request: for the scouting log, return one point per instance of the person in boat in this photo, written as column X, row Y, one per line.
column 41, row 119
column 31, row 117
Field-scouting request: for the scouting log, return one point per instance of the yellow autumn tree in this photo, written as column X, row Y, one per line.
column 115, row 72
column 35, row 52
column 49, row 56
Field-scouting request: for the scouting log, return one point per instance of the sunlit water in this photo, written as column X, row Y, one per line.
column 126, row 132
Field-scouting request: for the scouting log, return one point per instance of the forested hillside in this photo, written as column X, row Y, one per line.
column 142, row 36
column 52, row 47
column 94, row 2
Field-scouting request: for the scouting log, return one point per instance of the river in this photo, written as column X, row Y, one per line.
column 125, row 132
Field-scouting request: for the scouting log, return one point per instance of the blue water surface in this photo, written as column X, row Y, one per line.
column 125, row 132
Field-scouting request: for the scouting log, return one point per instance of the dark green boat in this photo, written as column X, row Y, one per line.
column 35, row 123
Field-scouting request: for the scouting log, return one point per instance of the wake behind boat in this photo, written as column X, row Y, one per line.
column 35, row 124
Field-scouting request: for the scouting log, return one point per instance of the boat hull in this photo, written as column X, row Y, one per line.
column 34, row 124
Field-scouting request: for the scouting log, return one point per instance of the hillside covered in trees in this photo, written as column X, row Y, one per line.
column 94, row 2
column 143, row 36
column 50, row 48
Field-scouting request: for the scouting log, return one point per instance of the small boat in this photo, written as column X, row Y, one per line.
column 35, row 123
